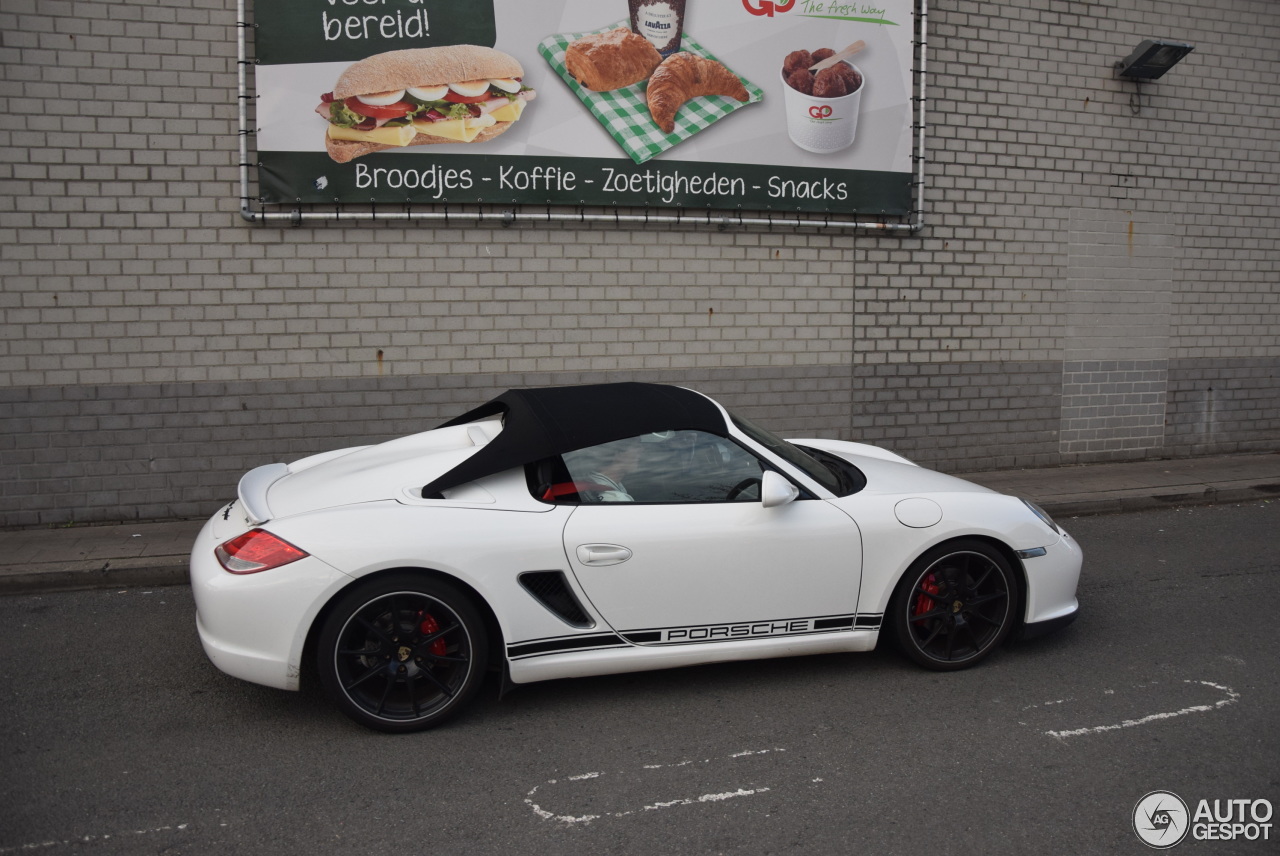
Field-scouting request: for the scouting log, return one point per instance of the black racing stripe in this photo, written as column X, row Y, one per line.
column 842, row 623
column 642, row 638
column 869, row 621
column 565, row 643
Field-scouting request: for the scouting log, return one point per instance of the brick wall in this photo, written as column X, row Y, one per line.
column 1092, row 284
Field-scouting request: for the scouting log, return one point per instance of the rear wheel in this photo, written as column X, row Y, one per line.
column 402, row 653
column 954, row 605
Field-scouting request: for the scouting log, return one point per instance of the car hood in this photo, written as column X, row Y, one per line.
column 888, row 473
column 393, row 470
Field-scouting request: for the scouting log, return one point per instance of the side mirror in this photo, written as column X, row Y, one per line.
column 775, row 490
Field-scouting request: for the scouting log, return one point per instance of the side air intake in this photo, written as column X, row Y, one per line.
column 551, row 589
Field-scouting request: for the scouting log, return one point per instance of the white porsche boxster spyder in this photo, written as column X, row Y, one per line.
column 576, row 531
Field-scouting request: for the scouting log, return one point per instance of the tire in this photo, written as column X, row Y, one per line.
column 402, row 653
column 954, row 605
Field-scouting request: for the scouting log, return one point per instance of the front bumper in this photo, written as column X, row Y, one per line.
column 1050, row 625
column 1052, row 580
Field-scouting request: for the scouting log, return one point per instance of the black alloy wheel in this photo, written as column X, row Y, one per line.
column 402, row 653
column 955, row 605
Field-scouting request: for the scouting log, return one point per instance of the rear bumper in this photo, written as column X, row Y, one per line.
column 254, row 626
column 269, row 668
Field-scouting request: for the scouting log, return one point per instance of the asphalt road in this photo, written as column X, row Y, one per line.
column 118, row 736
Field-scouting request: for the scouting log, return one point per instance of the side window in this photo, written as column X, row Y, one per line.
column 664, row 467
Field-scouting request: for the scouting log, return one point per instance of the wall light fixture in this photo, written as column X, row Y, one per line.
column 1152, row 59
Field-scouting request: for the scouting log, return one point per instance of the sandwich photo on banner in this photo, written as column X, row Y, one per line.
column 423, row 96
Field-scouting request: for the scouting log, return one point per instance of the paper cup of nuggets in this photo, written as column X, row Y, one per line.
column 822, row 107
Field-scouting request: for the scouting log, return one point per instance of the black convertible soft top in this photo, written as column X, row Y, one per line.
column 540, row 423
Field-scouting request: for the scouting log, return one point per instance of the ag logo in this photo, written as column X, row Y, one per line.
column 1161, row 819
column 823, row 112
column 765, row 7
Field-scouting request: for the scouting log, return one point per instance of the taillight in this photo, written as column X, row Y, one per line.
column 256, row 550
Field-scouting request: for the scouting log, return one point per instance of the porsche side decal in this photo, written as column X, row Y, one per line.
column 751, row 629
column 688, row 635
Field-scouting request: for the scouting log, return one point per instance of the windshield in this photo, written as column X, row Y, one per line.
column 829, row 477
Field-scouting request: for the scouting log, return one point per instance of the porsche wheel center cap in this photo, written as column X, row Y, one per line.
column 957, row 606
column 403, row 653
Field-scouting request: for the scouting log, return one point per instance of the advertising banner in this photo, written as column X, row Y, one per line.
column 738, row 105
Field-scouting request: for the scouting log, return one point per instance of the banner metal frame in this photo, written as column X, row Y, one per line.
column 719, row 218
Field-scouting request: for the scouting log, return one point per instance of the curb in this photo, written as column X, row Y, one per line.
column 64, row 576
column 1145, row 500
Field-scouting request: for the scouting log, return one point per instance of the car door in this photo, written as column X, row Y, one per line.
column 692, row 555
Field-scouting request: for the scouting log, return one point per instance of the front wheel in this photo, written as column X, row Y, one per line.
column 954, row 605
column 402, row 653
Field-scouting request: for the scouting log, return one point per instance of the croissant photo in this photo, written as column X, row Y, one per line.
column 684, row 76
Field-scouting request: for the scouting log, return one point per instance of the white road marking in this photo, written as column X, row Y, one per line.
column 546, row 815
column 89, row 839
column 740, row 792
column 681, row 764
column 570, row 819
column 1231, row 697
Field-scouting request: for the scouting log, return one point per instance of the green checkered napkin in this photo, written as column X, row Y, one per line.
column 624, row 112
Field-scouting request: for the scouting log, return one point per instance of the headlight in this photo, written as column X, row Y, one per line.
column 1043, row 515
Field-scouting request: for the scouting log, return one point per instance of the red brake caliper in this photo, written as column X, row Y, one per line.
column 924, row 603
column 429, row 626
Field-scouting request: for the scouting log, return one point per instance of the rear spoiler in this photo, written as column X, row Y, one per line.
column 253, row 488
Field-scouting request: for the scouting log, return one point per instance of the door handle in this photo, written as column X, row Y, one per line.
column 598, row 555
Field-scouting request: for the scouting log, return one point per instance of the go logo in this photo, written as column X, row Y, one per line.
column 765, row 7
column 823, row 112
